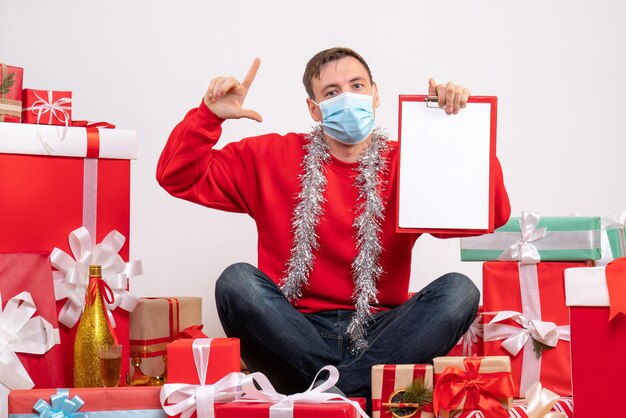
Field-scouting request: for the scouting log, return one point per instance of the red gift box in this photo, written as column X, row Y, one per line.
column 598, row 343
column 31, row 273
column 519, row 410
column 471, row 343
column 300, row 410
column 47, row 107
column 531, row 300
column 135, row 401
column 10, row 93
column 45, row 197
column 389, row 378
column 223, row 359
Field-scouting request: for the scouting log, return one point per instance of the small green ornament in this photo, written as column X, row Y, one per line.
column 7, row 83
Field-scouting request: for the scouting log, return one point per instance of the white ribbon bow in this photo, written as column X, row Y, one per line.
column 471, row 337
column 184, row 399
column 58, row 109
column 539, row 403
column 515, row 338
column 283, row 404
column 523, row 250
column 616, row 220
column 21, row 332
column 72, row 279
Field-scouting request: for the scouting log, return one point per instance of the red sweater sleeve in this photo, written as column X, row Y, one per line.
column 189, row 167
column 502, row 207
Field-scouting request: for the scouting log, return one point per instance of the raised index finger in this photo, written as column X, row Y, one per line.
column 249, row 78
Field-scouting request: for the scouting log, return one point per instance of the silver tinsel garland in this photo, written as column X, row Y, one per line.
column 366, row 269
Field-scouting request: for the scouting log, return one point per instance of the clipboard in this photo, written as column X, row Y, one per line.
column 446, row 166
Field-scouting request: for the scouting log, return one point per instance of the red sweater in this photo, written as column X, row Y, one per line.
column 260, row 176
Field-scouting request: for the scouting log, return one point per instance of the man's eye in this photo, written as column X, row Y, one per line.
column 358, row 86
column 331, row 93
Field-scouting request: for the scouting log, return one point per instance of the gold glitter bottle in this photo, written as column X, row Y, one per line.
column 93, row 331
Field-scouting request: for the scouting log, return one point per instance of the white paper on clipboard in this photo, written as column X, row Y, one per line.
column 444, row 167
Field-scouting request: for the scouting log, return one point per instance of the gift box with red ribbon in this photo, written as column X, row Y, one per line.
column 87, row 402
column 596, row 297
column 527, row 320
column 471, row 343
column 10, row 93
column 390, row 383
column 49, row 189
column 47, row 107
column 29, row 354
column 473, row 383
column 154, row 323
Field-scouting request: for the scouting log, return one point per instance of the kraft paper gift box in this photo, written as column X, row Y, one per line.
column 568, row 238
column 47, row 107
column 49, row 191
column 388, row 379
column 118, row 402
column 471, row 343
column 526, row 306
column 469, row 383
column 154, row 323
column 10, row 93
column 29, row 353
column 596, row 296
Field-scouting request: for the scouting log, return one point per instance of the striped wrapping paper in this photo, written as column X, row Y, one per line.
column 563, row 405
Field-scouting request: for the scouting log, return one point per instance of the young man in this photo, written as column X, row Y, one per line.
column 332, row 282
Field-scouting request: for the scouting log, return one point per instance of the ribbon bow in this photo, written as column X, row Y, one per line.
column 72, row 279
column 283, row 404
column 523, row 250
column 616, row 283
column 55, row 110
column 480, row 390
column 539, row 402
column 471, row 337
column 61, row 406
column 547, row 333
column 617, row 221
column 184, row 399
column 21, row 332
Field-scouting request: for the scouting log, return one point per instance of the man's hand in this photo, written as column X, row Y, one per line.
column 225, row 95
column 450, row 96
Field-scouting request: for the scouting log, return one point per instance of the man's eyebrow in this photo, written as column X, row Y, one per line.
column 359, row 78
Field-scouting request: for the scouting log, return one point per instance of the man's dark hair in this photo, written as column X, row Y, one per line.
column 313, row 67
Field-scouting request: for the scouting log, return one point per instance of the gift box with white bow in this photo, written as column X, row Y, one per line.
column 534, row 238
column 526, row 319
column 47, row 107
column 121, row 402
column 596, row 297
column 29, row 352
column 51, row 188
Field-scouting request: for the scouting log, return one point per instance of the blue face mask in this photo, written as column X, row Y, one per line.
column 348, row 117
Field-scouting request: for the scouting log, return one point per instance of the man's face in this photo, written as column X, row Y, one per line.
column 343, row 75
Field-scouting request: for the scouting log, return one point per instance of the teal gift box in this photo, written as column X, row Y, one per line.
column 532, row 238
column 613, row 238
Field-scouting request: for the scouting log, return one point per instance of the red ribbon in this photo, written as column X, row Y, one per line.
column 480, row 390
column 87, row 124
column 191, row 332
column 95, row 284
column 93, row 135
column 616, row 283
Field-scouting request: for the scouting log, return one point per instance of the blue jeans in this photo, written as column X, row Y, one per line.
column 290, row 347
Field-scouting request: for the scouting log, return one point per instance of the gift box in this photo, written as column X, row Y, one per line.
column 519, row 409
column 468, row 383
column 595, row 297
column 10, row 93
column 389, row 382
column 532, row 238
column 47, row 196
column 613, row 240
column 471, row 343
column 301, row 410
column 532, row 322
column 30, row 356
column 94, row 402
column 223, row 358
column 47, row 107
column 154, row 323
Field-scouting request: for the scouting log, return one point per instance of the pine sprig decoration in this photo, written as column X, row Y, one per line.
column 415, row 394
column 539, row 348
column 7, row 83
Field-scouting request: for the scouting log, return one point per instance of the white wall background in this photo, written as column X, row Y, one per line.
column 557, row 66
